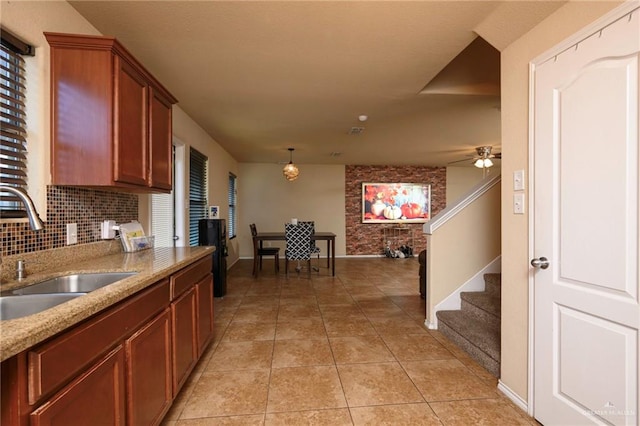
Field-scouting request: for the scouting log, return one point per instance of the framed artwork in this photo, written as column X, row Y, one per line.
column 214, row 212
column 396, row 202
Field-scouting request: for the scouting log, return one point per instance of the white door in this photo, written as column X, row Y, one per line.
column 585, row 218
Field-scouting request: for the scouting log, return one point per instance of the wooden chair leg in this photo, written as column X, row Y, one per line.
column 277, row 260
column 286, row 267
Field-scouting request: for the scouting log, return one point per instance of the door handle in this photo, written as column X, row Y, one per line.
column 540, row 263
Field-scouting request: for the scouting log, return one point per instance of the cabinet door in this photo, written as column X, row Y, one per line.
column 204, row 291
column 96, row 397
column 160, row 152
column 130, row 138
column 148, row 355
column 184, row 344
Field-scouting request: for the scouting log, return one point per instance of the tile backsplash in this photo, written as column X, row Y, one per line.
column 65, row 204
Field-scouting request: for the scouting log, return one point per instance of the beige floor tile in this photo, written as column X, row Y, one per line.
column 297, row 353
column 415, row 347
column 382, row 308
column 255, row 420
column 305, row 388
column 359, row 349
column 298, row 299
column 335, row 417
column 297, row 312
column 337, row 327
column 377, row 384
column 253, row 355
column 217, row 394
column 256, row 314
column 301, row 329
column 477, row 412
column 396, row 415
column 244, row 331
column 444, row 380
column 334, row 299
column 259, row 301
column 395, row 325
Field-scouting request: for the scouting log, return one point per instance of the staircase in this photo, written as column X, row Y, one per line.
column 475, row 328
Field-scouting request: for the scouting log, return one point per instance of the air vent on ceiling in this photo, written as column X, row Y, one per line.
column 356, row 130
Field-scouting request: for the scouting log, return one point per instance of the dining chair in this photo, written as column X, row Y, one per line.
column 264, row 251
column 298, row 246
column 314, row 248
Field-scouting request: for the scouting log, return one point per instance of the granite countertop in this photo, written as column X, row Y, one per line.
column 151, row 265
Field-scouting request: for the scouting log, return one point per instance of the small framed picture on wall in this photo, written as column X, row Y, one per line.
column 214, row 212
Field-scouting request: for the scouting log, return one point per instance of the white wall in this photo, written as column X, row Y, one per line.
column 515, row 120
column 267, row 199
column 461, row 179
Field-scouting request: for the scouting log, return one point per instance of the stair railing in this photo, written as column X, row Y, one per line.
column 462, row 239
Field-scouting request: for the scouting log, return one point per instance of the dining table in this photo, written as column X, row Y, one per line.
column 329, row 237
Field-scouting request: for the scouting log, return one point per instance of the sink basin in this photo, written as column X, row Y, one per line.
column 77, row 283
column 12, row 307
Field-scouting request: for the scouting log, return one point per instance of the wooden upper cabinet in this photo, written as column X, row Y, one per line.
column 111, row 119
column 160, row 143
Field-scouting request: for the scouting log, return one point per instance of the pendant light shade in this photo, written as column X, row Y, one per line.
column 290, row 171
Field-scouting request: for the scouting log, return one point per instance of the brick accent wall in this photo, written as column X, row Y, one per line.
column 86, row 207
column 368, row 239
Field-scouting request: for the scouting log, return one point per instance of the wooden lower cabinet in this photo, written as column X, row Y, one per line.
column 204, row 296
column 124, row 366
column 184, row 346
column 97, row 397
column 148, row 360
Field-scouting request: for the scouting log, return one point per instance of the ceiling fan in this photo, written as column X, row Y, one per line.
column 483, row 158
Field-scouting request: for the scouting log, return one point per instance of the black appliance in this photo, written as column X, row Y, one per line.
column 213, row 232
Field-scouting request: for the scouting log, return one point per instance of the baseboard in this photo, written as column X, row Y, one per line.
column 514, row 397
column 475, row 283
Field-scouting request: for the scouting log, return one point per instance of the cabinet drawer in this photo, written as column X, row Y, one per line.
column 52, row 364
column 187, row 277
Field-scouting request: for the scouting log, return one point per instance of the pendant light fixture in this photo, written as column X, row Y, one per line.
column 290, row 171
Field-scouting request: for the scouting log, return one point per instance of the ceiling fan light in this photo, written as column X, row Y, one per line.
column 488, row 163
column 479, row 163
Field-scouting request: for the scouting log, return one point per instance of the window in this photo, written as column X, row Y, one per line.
column 233, row 199
column 13, row 142
column 197, row 193
column 163, row 216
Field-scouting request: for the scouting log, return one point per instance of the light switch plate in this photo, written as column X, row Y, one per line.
column 518, row 203
column 518, row 180
column 72, row 233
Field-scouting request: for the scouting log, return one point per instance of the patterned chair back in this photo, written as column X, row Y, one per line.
column 314, row 248
column 254, row 231
column 298, row 241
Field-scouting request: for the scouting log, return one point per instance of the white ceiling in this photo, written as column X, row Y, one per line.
column 262, row 76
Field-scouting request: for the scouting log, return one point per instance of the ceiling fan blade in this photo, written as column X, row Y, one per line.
column 498, row 155
column 470, row 160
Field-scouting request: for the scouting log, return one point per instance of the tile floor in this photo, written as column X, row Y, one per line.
column 335, row 351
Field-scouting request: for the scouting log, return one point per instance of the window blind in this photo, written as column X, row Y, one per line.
column 197, row 193
column 232, row 205
column 13, row 142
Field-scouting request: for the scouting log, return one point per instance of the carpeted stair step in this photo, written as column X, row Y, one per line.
column 493, row 283
column 476, row 337
column 485, row 306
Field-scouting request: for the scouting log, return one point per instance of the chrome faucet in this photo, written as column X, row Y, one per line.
column 34, row 219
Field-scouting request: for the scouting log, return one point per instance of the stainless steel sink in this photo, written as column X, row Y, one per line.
column 12, row 307
column 77, row 283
